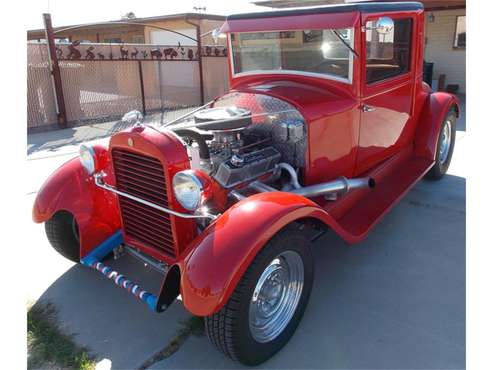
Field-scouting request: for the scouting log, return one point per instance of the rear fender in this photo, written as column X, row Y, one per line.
column 71, row 189
column 217, row 259
column 432, row 115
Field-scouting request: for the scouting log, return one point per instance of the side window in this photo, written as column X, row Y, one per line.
column 388, row 55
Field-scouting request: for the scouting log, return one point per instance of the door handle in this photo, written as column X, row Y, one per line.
column 367, row 108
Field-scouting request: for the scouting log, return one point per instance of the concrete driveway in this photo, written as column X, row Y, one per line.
column 395, row 301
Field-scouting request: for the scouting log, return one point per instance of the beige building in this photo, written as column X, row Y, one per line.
column 442, row 47
column 445, row 36
column 140, row 30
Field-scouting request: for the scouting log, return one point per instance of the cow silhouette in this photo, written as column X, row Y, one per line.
column 101, row 56
column 134, row 53
column 170, row 52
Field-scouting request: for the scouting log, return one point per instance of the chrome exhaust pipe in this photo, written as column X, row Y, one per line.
column 340, row 186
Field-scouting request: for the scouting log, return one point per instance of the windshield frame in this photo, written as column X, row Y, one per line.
column 348, row 80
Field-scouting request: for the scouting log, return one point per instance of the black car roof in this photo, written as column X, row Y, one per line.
column 369, row 7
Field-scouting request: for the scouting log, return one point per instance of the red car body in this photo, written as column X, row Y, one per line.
column 396, row 146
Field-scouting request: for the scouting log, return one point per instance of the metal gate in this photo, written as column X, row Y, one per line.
column 91, row 82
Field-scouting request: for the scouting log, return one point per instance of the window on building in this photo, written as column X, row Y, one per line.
column 138, row 39
column 460, row 32
column 388, row 55
column 113, row 40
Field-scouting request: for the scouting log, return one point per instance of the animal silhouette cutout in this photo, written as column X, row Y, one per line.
column 156, row 53
column 89, row 54
column 170, row 52
column 123, row 52
column 74, row 52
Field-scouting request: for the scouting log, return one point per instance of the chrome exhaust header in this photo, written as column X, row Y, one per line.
column 339, row 186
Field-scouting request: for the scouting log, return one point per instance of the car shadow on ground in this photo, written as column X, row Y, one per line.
column 396, row 300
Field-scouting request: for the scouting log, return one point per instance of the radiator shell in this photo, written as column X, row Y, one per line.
column 143, row 227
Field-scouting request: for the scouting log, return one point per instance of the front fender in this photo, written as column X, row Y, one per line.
column 218, row 258
column 71, row 189
column 432, row 115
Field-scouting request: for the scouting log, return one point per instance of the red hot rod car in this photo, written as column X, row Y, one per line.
column 327, row 125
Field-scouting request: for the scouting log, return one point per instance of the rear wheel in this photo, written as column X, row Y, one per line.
column 63, row 234
column 268, row 303
column 445, row 147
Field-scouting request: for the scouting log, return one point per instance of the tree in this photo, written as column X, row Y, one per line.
column 129, row 15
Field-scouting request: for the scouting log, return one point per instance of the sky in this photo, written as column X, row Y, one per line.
column 68, row 12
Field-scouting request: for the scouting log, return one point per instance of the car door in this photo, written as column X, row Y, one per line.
column 387, row 89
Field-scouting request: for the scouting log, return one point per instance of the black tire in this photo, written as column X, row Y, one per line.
column 63, row 234
column 229, row 328
column 439, row 169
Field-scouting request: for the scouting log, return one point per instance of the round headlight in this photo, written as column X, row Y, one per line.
column 188, row 190
column 87, row 158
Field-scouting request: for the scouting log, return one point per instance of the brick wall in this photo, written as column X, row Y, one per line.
column 439, row 48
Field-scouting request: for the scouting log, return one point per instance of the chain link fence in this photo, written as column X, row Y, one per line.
column 41, row 104
column 101, row 82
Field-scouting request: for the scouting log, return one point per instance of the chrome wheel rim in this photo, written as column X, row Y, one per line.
column 276, row 296
column 445, row 140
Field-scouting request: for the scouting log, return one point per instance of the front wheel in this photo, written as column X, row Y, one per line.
column 445, row 147
column 63, row 234
column 268, row 303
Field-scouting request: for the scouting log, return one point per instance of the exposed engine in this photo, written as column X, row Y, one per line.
column 239, row 142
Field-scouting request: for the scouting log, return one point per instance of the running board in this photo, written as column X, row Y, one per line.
column 93, row 260
column 389, row 190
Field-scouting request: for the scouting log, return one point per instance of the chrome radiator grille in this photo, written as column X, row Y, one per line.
column 143, row 177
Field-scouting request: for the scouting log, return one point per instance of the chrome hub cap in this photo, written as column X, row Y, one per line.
column 276, row 296
column 445, row 140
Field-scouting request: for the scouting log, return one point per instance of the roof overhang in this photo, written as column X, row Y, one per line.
column 114, row 25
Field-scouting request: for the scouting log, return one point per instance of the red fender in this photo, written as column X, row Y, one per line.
column 432, row 115
column 218, row 258
column 71, row 189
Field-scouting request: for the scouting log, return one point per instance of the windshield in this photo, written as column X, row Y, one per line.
column 306, row 51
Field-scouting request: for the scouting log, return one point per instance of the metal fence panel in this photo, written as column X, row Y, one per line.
column 170, row 84
column 100, row 89
column 216, row 80
column 101, row 82
column 41, row 106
